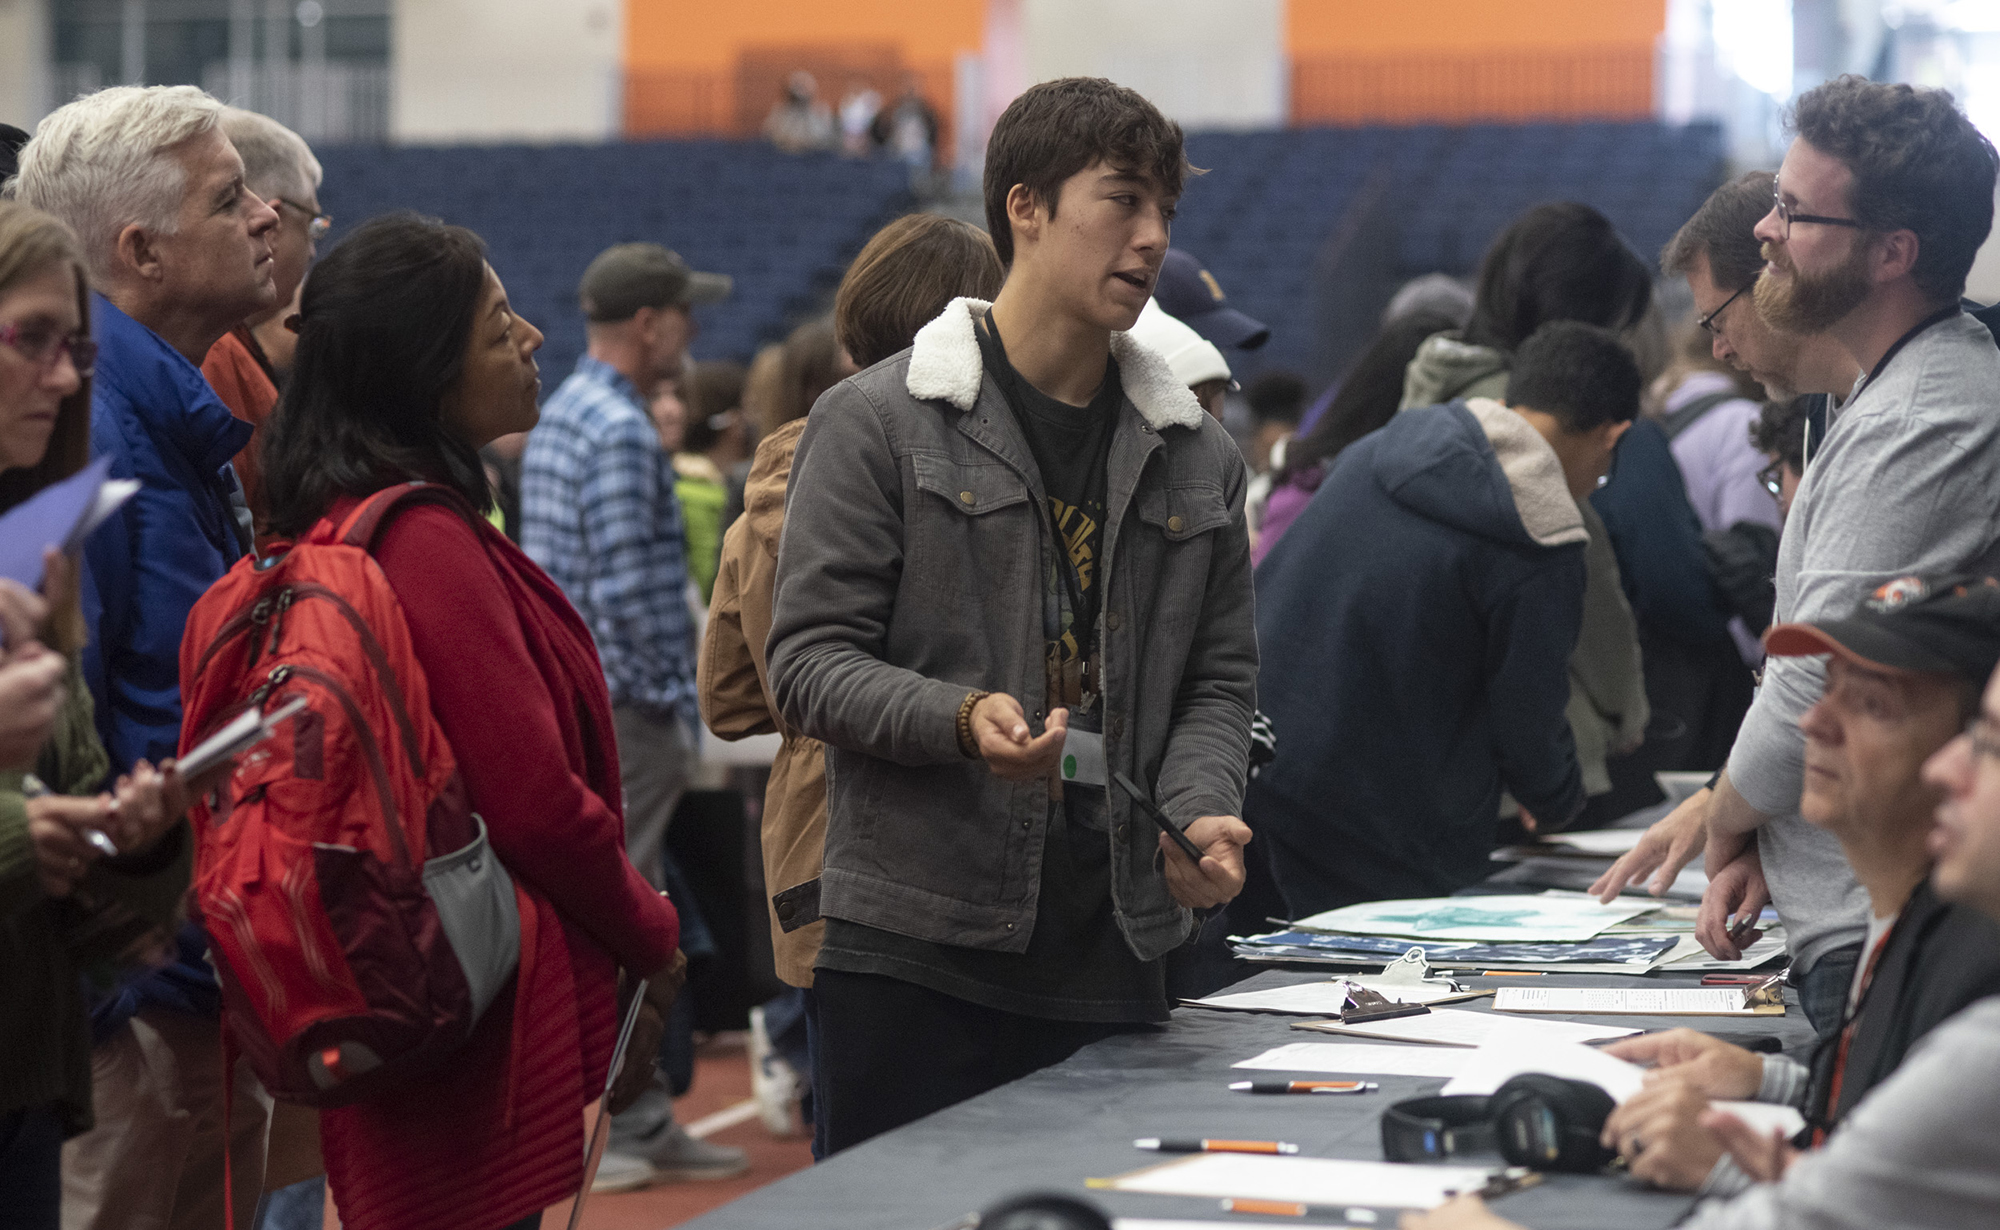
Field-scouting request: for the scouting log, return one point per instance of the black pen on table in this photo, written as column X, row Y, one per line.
column 1157, row 1145
column 1304, row 1086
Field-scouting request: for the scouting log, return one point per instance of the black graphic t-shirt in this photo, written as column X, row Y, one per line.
column 1071, row 446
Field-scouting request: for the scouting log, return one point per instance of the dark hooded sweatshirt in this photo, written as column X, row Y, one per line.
column 1416, row 625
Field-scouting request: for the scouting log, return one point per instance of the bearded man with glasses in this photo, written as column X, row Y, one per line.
column 1879, row 207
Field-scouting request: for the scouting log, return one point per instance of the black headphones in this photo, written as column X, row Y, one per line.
column 1546, row 1122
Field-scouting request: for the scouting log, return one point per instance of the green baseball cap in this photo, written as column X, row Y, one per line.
column 631, row 276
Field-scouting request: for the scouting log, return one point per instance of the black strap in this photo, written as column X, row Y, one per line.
column 1938, row 317
column 1685, row 417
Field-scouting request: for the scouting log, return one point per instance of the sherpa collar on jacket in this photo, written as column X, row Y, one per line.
column 945, row 364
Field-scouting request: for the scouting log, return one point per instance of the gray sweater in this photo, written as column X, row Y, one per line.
column 1907, row 482
column 1922, row 1149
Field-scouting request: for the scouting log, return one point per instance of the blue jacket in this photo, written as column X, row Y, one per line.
column 159, row 421
column 1657, row 538
column 1416, row 624
column 155, row 415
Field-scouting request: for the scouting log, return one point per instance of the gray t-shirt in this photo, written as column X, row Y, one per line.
column 1922, row 1149
column 1907, row 483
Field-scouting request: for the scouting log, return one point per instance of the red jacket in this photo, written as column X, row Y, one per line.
column 238, row 377
column 515, row 684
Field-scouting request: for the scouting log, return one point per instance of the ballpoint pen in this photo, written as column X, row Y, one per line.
column 1304, row 1086
column 33, row 787
column 1157, row 1145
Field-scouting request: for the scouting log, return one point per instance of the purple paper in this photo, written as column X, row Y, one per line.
column 48, row 519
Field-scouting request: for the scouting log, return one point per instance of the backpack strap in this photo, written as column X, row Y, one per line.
column 1685, row 417
column 365, row 524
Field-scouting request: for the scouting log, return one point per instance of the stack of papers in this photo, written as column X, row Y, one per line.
column 1304, row 1180
column 1605, row 954
column 1532, row 918
column 1646, row 1001
column 60, row 515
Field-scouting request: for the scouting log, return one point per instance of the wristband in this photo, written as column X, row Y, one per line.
column 967, row 745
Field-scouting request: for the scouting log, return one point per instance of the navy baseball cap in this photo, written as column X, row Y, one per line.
column 1190, row 294
column 1948, row 625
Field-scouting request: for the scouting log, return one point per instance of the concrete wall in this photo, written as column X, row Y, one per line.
column 24, row 62
column 1205, row 64
column 507, row 70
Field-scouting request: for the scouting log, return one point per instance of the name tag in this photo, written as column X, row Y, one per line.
column 1083, row 758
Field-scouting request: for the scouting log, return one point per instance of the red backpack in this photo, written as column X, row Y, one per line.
column 358, row 920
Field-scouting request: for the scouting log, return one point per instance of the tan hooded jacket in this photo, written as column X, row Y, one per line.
column 734, row 687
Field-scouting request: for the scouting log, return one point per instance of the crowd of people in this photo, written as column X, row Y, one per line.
column 978, row 549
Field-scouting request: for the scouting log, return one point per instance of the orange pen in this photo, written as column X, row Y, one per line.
column 1157, row 1145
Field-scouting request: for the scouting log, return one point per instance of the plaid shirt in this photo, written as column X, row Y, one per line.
column 598, row 514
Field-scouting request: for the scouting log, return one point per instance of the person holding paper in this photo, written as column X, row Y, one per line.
column 1903, row 676
column 1923, row 1147
column 1015, row 562
column 88, row 881
column 1884, row 197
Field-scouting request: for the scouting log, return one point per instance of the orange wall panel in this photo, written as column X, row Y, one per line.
column 1433, row 27
column 684, row 34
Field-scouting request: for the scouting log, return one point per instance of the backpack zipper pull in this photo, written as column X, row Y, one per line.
column 278, row 621
column 260, row 614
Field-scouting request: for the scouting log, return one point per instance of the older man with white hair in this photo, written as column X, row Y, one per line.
column 247, row 365
column 179, row 251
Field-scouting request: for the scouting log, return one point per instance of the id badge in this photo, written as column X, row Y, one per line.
column 1083, row 758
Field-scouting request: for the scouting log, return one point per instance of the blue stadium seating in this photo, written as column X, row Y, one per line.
column 1262, row 217
column 783, row 226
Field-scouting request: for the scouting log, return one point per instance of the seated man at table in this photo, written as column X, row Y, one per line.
column 1416, row 626
column 1902, row 678
column 1923, row 1147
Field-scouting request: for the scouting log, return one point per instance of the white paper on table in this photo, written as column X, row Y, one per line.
column 1765, row 1117
column 1306, row 1180
column 1533, row 919
column 1650, row 1001
column 1511, row 1051
column 1361, row 1058
column 1320, row 998
column 1461, row 1028
column 1608, row 842
column 1691, row 956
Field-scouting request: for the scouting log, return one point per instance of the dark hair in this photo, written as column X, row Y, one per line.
column 808, row 365
column 904, row 277
column 1723, row 231
column 708, row 390
column 1781, row 428
column 385, row 318
column 1559, row 261
column 1918, row 165
column 1277, row 397
column 1057, row 128
column 1370, row 393
column 1581, row 374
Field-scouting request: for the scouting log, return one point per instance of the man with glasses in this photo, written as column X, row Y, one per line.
column 1881, row 203
column 247, row 365
column 1923, row 1148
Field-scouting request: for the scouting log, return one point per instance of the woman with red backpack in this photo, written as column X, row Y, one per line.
column 409, row 360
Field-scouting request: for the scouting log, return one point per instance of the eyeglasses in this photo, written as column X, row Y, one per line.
column 1984, row 741
column 319, row 223
column 41, row 344
column 1708, row 322
column 1786, row 216
column 1773, row 478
